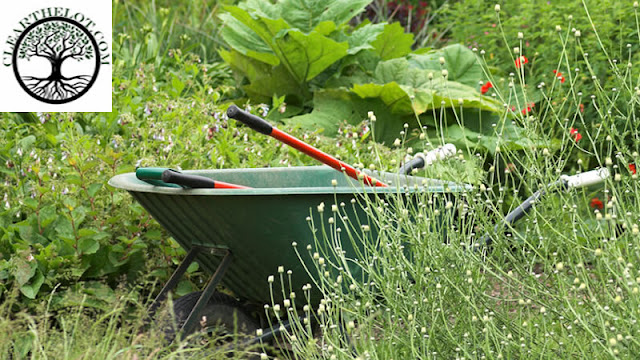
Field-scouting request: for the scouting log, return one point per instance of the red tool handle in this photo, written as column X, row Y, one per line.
column 260, row 125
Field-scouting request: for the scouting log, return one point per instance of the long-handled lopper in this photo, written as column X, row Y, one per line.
column 262, row 126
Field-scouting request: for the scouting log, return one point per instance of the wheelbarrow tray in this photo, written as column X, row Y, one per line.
column 258, row 225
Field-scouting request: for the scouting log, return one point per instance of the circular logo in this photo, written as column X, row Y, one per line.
column 56, row 60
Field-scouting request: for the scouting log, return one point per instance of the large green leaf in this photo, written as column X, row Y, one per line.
column 394, row 96
column 31, row 289
column 307, row 14
column 307, row 55
column 334, row 107
column 408, row 89
column 461, row 63
column 266, row 28
column 244, row 40
column 363, row 37
column 262, row 8
column 264, row 80
column 393, row 42
column 331, row 107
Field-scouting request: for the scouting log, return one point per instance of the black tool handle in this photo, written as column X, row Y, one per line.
column 256, row 123
column 191, row 181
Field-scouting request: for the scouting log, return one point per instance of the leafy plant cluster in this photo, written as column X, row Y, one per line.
column 299, row 54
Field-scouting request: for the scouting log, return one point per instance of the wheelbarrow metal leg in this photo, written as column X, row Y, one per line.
column 173, row 280
column 194, row 316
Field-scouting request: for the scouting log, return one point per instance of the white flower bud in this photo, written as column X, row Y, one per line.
column 520, row 35
column 441, row 59
column 445, row 73
column 497, row 8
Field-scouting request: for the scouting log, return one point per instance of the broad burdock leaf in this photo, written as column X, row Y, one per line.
column 306, row 56
column 393, row 42
column 362, row 37
column 460, row 62
column 244, row 40
column 307, row 14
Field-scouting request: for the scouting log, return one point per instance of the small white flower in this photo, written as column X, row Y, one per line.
column 334, row 182
column 577, row 33
column 441, row 59
column 497, row 8
column 520, row 35
column 321, row 207
column 270, row 279
column 445, row 73
column 558, row 28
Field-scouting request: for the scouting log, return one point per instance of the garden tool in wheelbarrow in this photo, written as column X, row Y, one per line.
column 565, row 183
column 176, row 179
column 262, row 126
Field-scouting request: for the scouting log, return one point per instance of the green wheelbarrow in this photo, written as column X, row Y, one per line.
column 244, row 235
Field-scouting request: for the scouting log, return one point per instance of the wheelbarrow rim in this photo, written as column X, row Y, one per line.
column 129, row 182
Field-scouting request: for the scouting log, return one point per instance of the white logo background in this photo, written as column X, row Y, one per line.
column 95, row 15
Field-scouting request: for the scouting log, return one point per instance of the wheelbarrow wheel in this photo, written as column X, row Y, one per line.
column 223, row 315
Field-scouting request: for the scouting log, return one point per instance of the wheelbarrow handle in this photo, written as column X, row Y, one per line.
column 263, row 127
column 174, row 178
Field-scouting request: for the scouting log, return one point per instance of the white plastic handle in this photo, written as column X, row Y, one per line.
column 586, row 179
column 441, row 153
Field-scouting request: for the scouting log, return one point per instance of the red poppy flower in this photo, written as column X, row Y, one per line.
column 596, row 203
column 575, row 134
column 521, row 60
column 488, row 85
column 559, row 75
column 632, row 168
column 528, row 108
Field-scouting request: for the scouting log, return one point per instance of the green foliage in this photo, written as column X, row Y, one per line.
column 343, row 73
column 550, row 45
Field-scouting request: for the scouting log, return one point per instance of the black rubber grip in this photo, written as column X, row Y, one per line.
column 190, row 181
column 256, row 123
column 415, row 163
